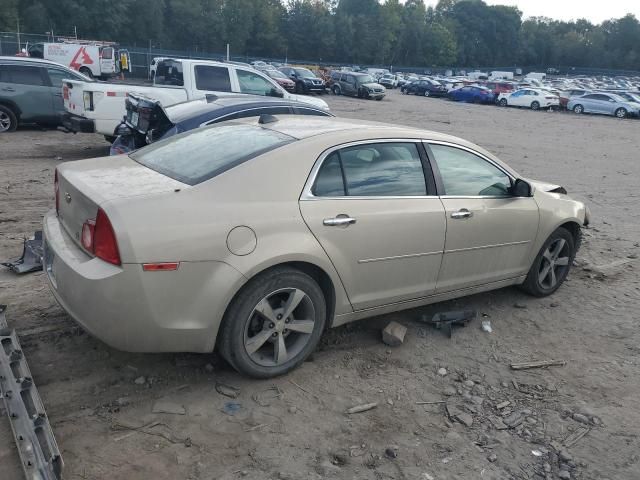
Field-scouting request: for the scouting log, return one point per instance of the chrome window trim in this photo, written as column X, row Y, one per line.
column 223, row 117
column 307, row 194
column 477, row 154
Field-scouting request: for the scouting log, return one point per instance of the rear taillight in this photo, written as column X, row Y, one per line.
column 56, row 189
column 99, row 238
column 65, row 92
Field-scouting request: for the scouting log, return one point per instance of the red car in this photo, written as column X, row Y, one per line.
column 282, row 79
column 500, row 87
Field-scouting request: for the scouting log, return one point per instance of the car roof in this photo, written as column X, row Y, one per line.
column 334, row 131
column 6, row 59
column 189, row 111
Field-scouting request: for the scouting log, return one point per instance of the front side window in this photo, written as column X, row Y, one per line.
column 372, row 170
column 254, row 84
column 212, row 78
column 466, row 174
column 56, row 76
column 198, row 155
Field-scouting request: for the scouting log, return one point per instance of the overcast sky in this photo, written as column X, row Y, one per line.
column 594, row 10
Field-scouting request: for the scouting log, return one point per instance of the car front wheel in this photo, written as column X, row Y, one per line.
column 535, row 105
column 621, row 113
column 552, row 265
column 8, row 119
column 578, row 109
column 503, row 102
column 273, row 324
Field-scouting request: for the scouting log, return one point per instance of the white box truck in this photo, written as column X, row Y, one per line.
column 94, row 59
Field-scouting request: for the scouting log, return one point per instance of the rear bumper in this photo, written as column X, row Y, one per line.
column 78, row 124
column 133, row 310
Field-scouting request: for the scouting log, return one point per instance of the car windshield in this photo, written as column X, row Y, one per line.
column 203, row 153
column 304, row 73
column 365, row 79
column 275, row 74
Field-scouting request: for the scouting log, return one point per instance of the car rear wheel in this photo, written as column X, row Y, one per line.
column 535, row 105
column 552, row 265
column 578, row 109
column 427, row 93
column 273, row 324
column 86, row 71
column 336, row 90
column 8, row 120
column 503, row 102
column 621, row 112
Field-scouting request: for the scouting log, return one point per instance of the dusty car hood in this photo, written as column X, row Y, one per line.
column 373, row 85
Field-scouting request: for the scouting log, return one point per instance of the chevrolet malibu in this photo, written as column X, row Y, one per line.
column 254, row 236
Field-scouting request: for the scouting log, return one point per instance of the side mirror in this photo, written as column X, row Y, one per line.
column 521, row 189
column 276, row 93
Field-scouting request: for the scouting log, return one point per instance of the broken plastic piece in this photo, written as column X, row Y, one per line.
column 31, row 259
column 447, row 320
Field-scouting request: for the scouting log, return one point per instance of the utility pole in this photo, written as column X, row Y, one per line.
column 18, row 24
column 75, row 31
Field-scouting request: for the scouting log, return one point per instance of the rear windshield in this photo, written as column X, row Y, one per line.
column 203, row 153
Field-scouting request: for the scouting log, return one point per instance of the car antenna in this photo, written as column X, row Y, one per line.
column 266, row 118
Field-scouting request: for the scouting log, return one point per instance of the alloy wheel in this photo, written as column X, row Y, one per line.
column 535, row 106
column 279, row 327
column 426, row 93
column 555, row 263
column 621, row 113
column 5, row 122
column 578, row 109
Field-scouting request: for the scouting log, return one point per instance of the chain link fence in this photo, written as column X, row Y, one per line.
column 141, row 59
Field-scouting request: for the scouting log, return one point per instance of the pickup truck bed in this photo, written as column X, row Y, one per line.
column 100, row 106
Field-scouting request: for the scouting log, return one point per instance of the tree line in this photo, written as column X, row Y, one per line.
column 465, row 33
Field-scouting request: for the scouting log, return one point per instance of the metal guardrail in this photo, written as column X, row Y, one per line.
column 41, row 459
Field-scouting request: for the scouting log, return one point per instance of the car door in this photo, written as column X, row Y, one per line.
column 591, row 103
column 377, row 218
column 349, row 85
column 26, row 86
column 490, row 233
column 517, row 98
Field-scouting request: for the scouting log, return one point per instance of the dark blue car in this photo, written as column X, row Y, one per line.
column 147, row 121
column 472, row 94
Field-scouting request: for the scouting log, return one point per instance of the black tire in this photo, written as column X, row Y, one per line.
column 427, row 93
column 533, row 284
column 503, row 102
column 621, row 112
column 336, row 90
column 578, row 109
column 535, row 105
column 231, row 340
column 8, row 119
column 86, row 71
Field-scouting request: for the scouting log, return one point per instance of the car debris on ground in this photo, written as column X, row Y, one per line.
column 447, row 320
column 31, row 258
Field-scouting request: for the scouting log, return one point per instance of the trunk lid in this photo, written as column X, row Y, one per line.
column 145, row 114
column 85, row 185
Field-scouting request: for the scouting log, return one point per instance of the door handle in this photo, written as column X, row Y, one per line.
column 8, row 89
column 461, row 214
column 341, row 220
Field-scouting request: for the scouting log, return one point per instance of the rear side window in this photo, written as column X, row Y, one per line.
column 169, row 73
column 203, row 153
column 213, row 78
column 107, row 53
column 372, row 170
column 56, row 76
column 23, row 75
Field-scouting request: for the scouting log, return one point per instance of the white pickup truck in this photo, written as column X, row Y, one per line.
column 98, row 107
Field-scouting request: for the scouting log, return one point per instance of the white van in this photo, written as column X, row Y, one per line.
column 536, row 76
column 91, row 59
column 498, row 75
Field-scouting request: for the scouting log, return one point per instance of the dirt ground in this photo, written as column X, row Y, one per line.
column 582, row 418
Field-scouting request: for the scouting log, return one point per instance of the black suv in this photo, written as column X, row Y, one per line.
column 361, row 85
column 306, row 80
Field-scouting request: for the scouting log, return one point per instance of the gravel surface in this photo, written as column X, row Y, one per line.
column 580, row 420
